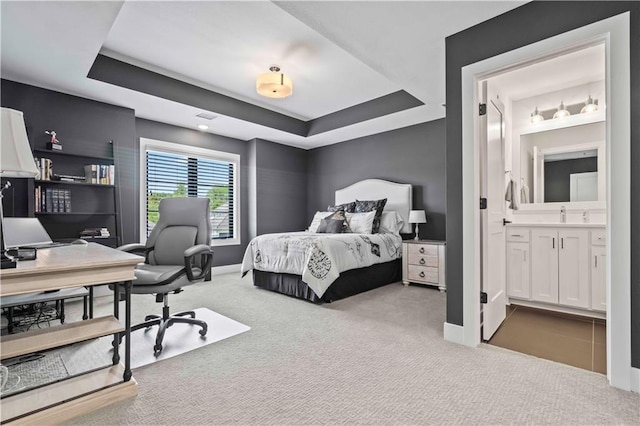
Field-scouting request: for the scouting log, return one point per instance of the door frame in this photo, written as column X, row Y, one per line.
column 615, row 32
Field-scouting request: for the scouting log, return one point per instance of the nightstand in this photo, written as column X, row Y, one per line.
column 423, row 263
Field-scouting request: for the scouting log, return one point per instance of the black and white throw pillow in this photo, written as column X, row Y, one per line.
column 333, row 224
column 371, row 205
column 347, row 207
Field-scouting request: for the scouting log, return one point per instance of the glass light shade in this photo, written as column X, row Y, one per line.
column 16, row 159
column 561, row 112
column 417, row 216
column 589, row 106
column 274, row 85
column 536, row 117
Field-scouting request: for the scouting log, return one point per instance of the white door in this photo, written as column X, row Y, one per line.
column 598, row 278
column 493, row 231
column 544, row 265
column 518, row 271
column 573, row 258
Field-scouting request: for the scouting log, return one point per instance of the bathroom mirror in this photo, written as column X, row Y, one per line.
column 563, row 165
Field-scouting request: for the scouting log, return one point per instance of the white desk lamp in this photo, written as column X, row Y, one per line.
column 16, row 160
column 417, row 216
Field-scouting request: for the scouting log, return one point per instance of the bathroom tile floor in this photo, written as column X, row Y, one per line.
column 569, row 339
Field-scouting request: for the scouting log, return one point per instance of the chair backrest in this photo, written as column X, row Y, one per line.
column 183, row 223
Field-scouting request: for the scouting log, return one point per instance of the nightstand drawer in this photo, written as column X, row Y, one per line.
column 422, row 250
column 422, row 274
column 423, row 259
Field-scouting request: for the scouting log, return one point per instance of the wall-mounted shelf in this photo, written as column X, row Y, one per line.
column 70, row 154
column 65, row 182
column 563, row 123
column 75, row 213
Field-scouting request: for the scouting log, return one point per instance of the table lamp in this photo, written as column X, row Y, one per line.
column 417, row 216
column 16, row 160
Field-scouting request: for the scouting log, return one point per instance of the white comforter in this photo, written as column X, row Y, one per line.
column 319, row 258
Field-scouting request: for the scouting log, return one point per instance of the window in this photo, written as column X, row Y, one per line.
column 173, row 170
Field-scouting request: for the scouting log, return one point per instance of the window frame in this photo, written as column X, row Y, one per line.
column 209, row 154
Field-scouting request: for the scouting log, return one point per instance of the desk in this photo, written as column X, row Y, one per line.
column 59, row 268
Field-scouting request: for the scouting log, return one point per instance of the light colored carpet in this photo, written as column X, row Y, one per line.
column 375, row 358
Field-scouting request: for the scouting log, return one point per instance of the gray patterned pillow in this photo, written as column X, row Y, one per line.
column 369, row 206
column 347, row 207
column 333, row 224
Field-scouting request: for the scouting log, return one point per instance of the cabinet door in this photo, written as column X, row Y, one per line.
column 544, row 265
column 518, row 271
column 573, row 257
column 598, row 278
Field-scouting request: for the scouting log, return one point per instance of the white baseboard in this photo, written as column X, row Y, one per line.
column 226, row 269
column 454, row 333
column 635, row 380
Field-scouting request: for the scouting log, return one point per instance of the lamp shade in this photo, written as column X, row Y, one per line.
column 16, row 159
column 417, row 216
column 274, row 84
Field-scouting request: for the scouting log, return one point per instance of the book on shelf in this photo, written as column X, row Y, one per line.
column 95, row 233
column 45, row 167
column 103, row 174
column 52, row 200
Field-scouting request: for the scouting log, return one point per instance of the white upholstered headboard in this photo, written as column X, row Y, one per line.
column 398, row 195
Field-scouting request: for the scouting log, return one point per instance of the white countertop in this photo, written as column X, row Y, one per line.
column 557, row 225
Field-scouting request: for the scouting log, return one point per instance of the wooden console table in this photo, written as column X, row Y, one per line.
column 59, row 268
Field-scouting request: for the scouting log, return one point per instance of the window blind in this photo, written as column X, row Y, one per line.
column 185, row 175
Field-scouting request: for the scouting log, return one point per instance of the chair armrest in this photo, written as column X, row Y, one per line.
column 206, row 260
column 136, row 248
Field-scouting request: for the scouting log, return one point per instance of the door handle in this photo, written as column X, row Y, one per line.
column 553, row 242
column 562, row 243
column 596, row 257
column 505, row 221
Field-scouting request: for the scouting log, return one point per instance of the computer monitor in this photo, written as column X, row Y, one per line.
column 24, row 232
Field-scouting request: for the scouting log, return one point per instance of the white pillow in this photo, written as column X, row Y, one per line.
column 390, row 222
column 317, row 218
column 361, row 223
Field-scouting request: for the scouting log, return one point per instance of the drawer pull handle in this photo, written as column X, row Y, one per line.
column 516, row 235
column 421, row 274
column 596, row 261
column 421, row 250
column 422, row 262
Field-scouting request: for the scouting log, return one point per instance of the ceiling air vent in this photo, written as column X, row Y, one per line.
column 206, row 115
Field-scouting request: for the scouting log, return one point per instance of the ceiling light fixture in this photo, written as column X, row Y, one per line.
column 590, row 106
column 203, row 126
column 274, row 84
column 561, row 112
column 536, row 117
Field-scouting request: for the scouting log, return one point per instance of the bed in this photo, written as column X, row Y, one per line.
column 322, row 268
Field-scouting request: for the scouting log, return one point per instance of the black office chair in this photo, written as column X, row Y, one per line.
column 177, row 254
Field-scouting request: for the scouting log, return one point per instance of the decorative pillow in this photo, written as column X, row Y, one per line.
column 330, row 226
column 390, row 222
column 347, row 207
column 367, row 206
column 361, row 223
column 333, row 224
column 315, row 222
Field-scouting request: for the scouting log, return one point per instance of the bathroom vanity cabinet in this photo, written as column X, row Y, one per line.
column 558, row 266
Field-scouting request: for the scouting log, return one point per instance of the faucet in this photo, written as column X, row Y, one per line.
column 563, row 214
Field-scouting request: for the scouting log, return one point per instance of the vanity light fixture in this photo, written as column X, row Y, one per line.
column 274, row 84
column 561, row 112
column 590, row 106
column 536, row 117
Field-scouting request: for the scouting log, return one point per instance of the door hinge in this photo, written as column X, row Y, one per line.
column 483, row 297
column 482, row 110
column 483, row 203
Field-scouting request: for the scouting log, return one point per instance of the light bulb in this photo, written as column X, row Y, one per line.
column 561, row 112
column 589, row 106
column 536, row 117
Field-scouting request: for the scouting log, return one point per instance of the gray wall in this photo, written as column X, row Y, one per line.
column 83, row 126
column 512, row 30
column 414, row 155
column 280, row 186
column 557, row 177
column 223, row 255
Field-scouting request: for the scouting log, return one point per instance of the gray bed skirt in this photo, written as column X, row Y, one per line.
column 348, row 283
